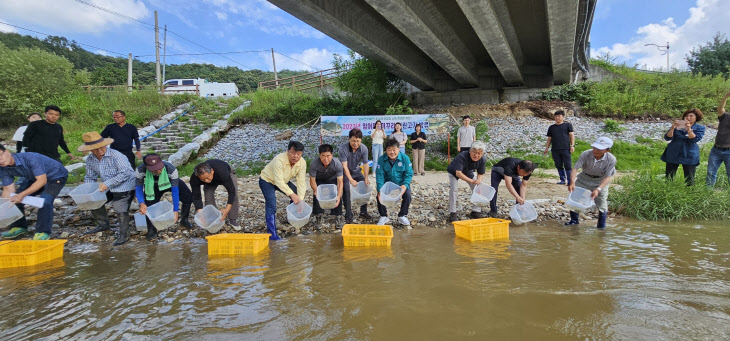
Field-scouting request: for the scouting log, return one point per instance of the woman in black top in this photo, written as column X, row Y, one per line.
column 418, row 145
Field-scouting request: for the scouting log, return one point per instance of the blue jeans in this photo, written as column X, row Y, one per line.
column 49, row 192
column 716, row 158
column 269, row 191
column 377, row 152
column 403, row 150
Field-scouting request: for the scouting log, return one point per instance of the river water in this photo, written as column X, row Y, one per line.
column 634, row 281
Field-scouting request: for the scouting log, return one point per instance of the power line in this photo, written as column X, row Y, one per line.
column 194, row 43
column 296, row 60
column 201, row 54
column 150, row 26
column 48, row 35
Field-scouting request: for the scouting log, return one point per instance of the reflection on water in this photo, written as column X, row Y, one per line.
column 632, row 281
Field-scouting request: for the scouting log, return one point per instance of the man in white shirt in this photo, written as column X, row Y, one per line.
column 466, row 135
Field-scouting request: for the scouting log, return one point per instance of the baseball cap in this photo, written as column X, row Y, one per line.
column 602, row 143
column 153, row 163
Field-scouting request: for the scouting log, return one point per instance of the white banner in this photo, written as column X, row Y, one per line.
column 341, row 125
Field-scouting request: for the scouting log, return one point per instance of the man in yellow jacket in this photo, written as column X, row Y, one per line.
column 277, row 176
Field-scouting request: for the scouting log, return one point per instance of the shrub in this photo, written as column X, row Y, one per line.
column 612, row 126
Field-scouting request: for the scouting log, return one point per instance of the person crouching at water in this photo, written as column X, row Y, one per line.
column 211, row 174
column 155, row 177
column 326, row 170
column 463, row 167
column 396, row 167
column 682, row 148
column 510, row 170
column 560, row 135
column 43, row 176
column 277, row 176
column 598, row 167
column 116, row 174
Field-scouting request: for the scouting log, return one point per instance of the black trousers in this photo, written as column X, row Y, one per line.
column 689, row 172
column 130, row 156
column 496, row 179
column 337, row 211
column 186, row 197
column 561, row 157
column 464, row 149
column 346, row 195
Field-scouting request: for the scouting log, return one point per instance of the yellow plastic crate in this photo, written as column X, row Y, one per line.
column 367, row 235
column 231, row 244
column 30, row 252
column 482, row 229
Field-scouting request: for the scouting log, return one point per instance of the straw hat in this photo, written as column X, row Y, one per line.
column 93, row 140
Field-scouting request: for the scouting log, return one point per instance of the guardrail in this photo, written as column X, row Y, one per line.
column 305, row 81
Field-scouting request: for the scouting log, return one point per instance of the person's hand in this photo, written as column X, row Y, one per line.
column 687, row 126
column 294, row 198
column 224, row 213
column 545, row 151
column 402, row 190
column 353, row 182
column 675, row 124
column 477, row 182
column 139, row 154
column 17, row 198
column 572, row 149
column 103, row 187
column 571, row 187
column 177, row 215
column 520, row 201
column 143, row 208
column 367, row 182
column 594, row 194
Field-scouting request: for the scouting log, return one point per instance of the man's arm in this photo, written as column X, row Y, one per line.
column 604, row 183
column 572, row 142
column 720, row 108
column 523, row 189
column 313, row 184
column 340, row 188
column 460, row 175
column 511, row 189
column 7, row 191
column 40, row 181
column 62, row 143
column 547, row 145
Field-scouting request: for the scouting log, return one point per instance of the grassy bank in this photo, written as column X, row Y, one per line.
column 642, row 94
column 293, row 107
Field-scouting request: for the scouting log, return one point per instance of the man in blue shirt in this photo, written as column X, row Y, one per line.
column 44, row 176
column 395, row 167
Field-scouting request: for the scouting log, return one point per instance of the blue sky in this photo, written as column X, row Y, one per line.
column 620, row 28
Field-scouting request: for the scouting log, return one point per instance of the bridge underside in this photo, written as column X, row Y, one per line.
column 447, row 45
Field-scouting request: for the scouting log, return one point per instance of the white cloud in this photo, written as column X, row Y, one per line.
column 71, row 16
column 101, row 52
column 309, row 59
column 221, row 15
column 706, row 19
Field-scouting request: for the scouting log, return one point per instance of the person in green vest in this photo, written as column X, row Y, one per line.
column 154, row 178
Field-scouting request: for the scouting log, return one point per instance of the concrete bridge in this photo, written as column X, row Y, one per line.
column 456, row 45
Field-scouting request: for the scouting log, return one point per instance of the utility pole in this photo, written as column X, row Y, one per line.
column 273, row 60
column 129, row 74
column 158, row 78
column 164, row 54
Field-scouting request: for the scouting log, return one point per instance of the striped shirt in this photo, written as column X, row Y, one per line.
column 113, row 169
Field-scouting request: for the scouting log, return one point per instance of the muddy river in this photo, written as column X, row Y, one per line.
column 634, row 281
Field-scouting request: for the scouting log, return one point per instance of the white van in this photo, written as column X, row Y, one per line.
column 206, row 89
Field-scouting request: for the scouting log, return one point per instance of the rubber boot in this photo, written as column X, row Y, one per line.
column 185, row 216
column 123, row 229
column 602, row 219
column 561, row 173
column 574, row 219
column 271, row 226
column 151, row 232
column 568, row 174
column 102, row 220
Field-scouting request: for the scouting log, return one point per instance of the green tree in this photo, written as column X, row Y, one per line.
column 712, row 58
column 108, row 75
column 28, row 78
column 367, row 83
